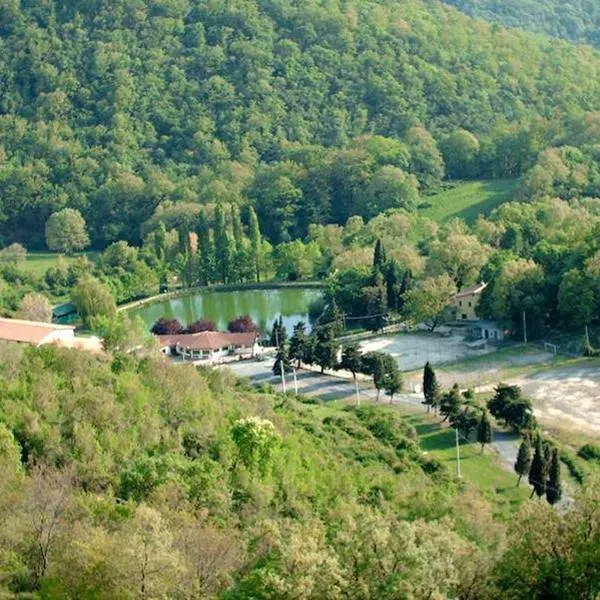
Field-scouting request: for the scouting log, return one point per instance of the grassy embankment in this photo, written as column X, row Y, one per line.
column 38, row 263
column 468, row 200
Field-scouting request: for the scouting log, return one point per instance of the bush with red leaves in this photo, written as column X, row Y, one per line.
column 242, row 325
column 201, row 325
column 167, row 327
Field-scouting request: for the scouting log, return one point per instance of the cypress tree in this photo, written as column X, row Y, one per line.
column 379, row 257
column 298, row 343
column 392, row 284
column 281, row 359
column 554, row 487
column 255, row 240
column 325, row 351
column 484, row 430
column 431, row 387
column 523, row 462
column 404, row 287
column 238, row 250
column 222, row 245
column 378, row 374
column 537, row 473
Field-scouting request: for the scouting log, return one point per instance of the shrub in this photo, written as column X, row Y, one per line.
column 242, row 325
column 574, row 469
column 167, row 327
column 590, row 452
column 201, row 325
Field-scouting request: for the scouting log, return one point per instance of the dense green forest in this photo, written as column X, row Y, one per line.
column 124, row 477
column 576, row 20
column 118, row 109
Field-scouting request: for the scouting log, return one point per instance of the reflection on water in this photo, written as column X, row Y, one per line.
column 264, row 306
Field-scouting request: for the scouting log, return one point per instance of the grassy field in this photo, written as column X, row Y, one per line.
column 39, row 262
column 482, row 471
column 468, row 200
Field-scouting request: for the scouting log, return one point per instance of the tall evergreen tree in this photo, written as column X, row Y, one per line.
column 278, row 333
column 537, row 473
column 523, row 462
column 379, row 371
column 405, row 286
column 282, row 360
column 332, row 317
column 298, row 343
column 392, row 381
column 326, row 348
column 205, row 250
column 554, row 487
column 431, row 387
column 484, row 430
column 222, row 245
column 450, row 403
column 393, row 284
column 255, row 240
column 379, row 257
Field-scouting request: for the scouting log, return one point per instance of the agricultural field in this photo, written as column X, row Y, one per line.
column 469, row 200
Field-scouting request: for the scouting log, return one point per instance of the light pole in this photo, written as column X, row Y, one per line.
column 282, row 376
column 458, row 473
column 295, row 381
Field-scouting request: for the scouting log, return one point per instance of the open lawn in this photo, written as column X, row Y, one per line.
column 39, row 262
column 484, row 471
column 468, row 200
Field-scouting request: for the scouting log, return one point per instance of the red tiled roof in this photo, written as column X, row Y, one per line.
column 32, row 332
column 209, row 340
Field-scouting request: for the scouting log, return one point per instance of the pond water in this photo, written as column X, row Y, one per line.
column 264, row 306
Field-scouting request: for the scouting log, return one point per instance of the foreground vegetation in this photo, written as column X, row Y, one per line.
column 126, row 477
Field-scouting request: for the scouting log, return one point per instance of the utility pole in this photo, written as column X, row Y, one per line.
column 524, row 327
column 458, row 473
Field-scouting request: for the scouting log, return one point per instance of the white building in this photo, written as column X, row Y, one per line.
column 210, row 346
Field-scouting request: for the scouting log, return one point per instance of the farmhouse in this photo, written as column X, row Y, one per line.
column 466, row 300
column 210, row 345
column 36, row 333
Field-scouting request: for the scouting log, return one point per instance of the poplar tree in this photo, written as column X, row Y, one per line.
column 484, row 430
column 379, row 373
column 523, row 462
column 537, row 473
column 431, row 387
column 205, row 250
column 554, row 487
column 255, row 241
column 222, row 245
column 239, row 251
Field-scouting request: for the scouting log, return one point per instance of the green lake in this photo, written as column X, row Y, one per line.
column 263, row 305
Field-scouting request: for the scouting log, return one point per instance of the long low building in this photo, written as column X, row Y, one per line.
column 38, row 333
column 35, row 332
column 210, row 345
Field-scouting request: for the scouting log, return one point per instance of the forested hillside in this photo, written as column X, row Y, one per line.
column 129, row 478
column 116, row 108
column 576, row 20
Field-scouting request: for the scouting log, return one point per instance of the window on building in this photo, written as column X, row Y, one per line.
column 464, row 316
column 469, row 305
